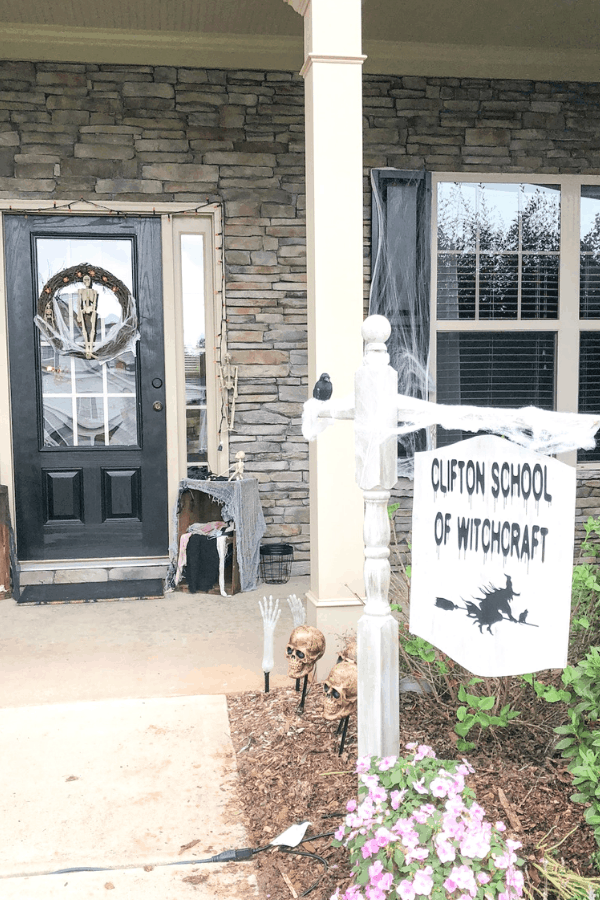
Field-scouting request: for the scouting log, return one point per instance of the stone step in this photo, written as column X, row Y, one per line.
column 77, row 571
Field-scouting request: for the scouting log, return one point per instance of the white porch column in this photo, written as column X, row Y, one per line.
column 334, row 195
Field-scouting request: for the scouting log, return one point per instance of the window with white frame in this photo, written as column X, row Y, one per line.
column 199, row 338
column 516, row 293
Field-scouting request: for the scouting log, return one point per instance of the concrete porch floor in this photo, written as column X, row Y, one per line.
column 115, row 748
column 180, row 645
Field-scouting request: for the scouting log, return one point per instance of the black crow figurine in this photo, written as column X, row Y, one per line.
column 323, row 388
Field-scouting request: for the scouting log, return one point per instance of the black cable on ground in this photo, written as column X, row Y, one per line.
column 292, row 850
column 225, row 856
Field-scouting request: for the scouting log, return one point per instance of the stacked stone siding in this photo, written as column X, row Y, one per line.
column 107, row 132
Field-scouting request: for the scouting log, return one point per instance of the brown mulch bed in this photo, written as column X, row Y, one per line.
column 290, row 771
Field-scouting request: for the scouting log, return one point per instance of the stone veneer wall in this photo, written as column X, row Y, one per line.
column 106, row 132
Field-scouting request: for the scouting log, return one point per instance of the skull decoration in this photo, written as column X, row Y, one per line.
column 341, row 688
column 306, row 645
column 348, row 652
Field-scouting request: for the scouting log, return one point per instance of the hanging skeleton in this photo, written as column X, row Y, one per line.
column 229, row 381
column 87, row 314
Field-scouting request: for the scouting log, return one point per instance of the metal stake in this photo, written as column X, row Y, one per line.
column 266, row 682
column 300, row 709
column 345, row 721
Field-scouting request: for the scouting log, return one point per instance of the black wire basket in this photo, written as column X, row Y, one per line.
column 276, row 563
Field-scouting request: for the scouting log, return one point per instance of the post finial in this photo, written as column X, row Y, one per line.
column 376, row 330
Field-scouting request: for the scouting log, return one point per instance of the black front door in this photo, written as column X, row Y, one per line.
column 89, row 436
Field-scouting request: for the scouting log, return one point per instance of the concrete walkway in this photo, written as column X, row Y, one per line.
column 121, row 784
column 115, row 744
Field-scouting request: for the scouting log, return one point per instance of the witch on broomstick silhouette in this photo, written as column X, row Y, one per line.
column 489, row 609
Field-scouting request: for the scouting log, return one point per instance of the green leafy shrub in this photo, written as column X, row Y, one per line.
column 580, row 740
column 478, row 711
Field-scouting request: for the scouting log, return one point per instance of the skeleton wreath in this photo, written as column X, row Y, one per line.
column 52, row 317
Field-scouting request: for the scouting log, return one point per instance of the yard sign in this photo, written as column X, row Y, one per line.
column 492, row 555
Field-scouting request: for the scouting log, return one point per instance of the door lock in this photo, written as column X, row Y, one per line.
column 157, row 405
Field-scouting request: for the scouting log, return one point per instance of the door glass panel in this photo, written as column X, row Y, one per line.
column 96, row 413
column 58, row 422
column 194, row 342
column 120, row 374
column 88, row 376
column 197, row 444
column 56, row 371
column 90, row 421
column 122, row 424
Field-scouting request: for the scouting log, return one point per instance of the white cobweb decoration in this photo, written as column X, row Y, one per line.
column 539, row 430
column 401, row 294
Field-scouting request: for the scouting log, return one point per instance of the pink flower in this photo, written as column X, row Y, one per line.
column 351, row 805
column 419, row 787
column 410, row 840
column 353, row 893
column 378, row 794
column 423, row 882
column 504, row 860
column 397, row 797
column 363, row 764
column 387, row 763
column 421, row 814
column 384, row 837
column 402, row 827
column 417, row 853
column 422, row 751
column 514, row 878
column 375, row 871
column 476, row 843
column 385, row 882
column 439, row 787
column 370, row 848
column 463, row 878
column 483, row 878
column 374, row 893
column 370, row 781
column 406, row 890
column 500, row 826
column 450, row 885
column 339, row 835
column 445, row 851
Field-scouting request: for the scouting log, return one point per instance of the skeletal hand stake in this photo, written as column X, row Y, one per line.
column 297, row 610
column 270, row 613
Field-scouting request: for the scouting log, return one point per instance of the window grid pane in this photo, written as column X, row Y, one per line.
column 498, row 247
column 589, row 384
column 501, row 369
column 589, row 265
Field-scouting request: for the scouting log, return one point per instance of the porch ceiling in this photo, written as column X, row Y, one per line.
column 553, row 39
